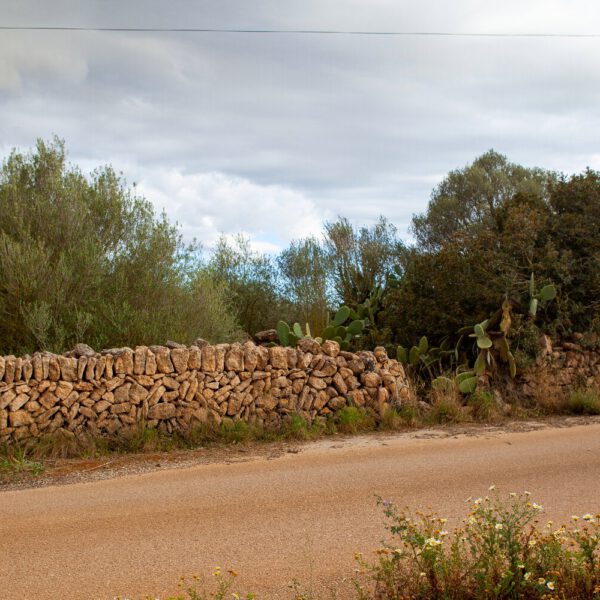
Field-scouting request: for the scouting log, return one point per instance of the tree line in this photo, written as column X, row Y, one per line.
column 84, row 258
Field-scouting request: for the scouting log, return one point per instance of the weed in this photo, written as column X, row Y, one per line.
column 446, row 408
column 584, row 402
column 352, row 419
column 15, row 463
column 399, row 418
column 483, row 406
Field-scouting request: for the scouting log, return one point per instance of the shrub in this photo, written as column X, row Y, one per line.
column 497, row 552
column 446, row 407
column 483, row 406
column 584, row 402
column 352, row 419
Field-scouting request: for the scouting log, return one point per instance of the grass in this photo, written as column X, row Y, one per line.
column 483, row 406
column 584, row 402
column 15, row 464
column 352, row 419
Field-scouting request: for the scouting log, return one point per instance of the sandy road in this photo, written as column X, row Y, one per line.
column 298, row 515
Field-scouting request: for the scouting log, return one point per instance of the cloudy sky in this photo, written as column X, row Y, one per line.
column 272, row 134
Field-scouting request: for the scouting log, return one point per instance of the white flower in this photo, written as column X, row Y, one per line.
column 550, row 585
column 537, row 506
column 527, row 576
column 492, row 488
column 499, row 526
column 588, row 517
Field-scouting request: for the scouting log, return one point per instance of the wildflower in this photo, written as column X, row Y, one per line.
column 217, row 572
column 443, row 521
column 492, row 488
column 443, row 533
column 527, row 576
column 531, row 543
column 513, row 494
column 499, row 526
column 477, row 501
column 232, row 572
column 588, row 517
column 520, row 566
column 422, row 574
column 472, row 520
column 541, row 581
column 537, row 506
column 386, row 503
column 527, row 493
column 574, row 517
column 550, row 585
column 236, row 596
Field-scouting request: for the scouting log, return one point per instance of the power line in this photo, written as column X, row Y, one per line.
column 302, row 32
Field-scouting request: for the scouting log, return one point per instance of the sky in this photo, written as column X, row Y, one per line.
column 270, row 135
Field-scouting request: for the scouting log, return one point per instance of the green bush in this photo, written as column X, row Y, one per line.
column 584, row 402
column 352, row 419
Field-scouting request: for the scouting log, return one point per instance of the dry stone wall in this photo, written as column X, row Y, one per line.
column 174, row 387
column 559, row 369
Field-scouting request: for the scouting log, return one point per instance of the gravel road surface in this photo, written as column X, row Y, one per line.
column 298, row 515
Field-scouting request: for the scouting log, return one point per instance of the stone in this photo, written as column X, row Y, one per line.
column 19, row 418
column 278, row 357
column 200, row 343
column 163, row 360
column 179, row 358
column 137, row 393
column 309, row 345
column 234, row 359
column 139, row 360
column 122, row 393
column 162, row 411
column 340, row 384
column 171, row 345
column 331, row 348
column 195, row 359
column 317, row 383
column 209, row 362
column 1, row 367
column 48, row 399
column 9, row 369
column 63, row 389
column 370, row 379
column 6, row 398
column 220, row 351
column 266, row 337
column 53, row 368
column 82, row 350
column 38, row 370
column 18, row 402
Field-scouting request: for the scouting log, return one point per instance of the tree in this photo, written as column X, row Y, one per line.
column 85, row 259
column 361, row 259
column 304, row 269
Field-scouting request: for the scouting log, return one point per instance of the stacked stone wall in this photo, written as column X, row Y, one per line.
column 560, row 369
column 173, row 388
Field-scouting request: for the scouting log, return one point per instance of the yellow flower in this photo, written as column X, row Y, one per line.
column 541, row 581
column 575, row 517
column 550, row 585
column 587, row 517
column 532, row 543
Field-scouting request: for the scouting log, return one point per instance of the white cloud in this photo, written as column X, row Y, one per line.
column 209, row 204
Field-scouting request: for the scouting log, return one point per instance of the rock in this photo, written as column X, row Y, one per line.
column 234, row 359
column 278, row 357
column 18, row 402
column 179, row 358
column 195, row 358
column 340, row 384
column 19, row 418
column 200, row 343
column 371, row 379
column 317, row 383
column 162, row 411
column 172, row 345
column 209, row 362
column 121, row 393
column 139, row 360
column 9, row 369
column 331, row 348
column 1, row 367
column 163, row 359
column 82, row 350
column 266, row 337
column 63, row 389
column 309, row 345
column 137, row 393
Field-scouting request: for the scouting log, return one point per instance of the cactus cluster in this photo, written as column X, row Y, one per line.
column 424, row 356
column 546, row 294
column 345, row 326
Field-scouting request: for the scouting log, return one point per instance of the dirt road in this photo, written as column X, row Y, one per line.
column 301, row 515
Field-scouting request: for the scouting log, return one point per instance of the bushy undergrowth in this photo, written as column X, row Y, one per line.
column 499, row 552
column 584, row 402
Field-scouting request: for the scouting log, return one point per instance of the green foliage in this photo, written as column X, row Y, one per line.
column 85, row 259
column 336, row 331
column 584, row 402
column 497, row 552
column 353, row 419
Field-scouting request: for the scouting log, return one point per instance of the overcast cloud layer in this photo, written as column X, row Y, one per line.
column 271, row 134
